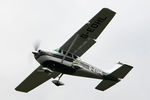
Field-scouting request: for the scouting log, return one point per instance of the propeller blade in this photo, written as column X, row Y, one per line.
column 37, row 45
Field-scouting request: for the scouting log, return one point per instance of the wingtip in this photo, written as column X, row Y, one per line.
column 108, row 9
column 20, row 90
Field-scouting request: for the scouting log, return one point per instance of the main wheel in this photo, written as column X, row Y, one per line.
column 57, row 83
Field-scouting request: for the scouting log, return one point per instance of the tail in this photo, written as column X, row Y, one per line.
column 114, row 77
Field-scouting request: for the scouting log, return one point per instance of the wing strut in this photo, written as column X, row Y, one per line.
column 70, row 47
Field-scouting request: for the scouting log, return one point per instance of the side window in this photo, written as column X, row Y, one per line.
column 70, row 55
column 75, row 57
column 64, row 52
column 69, row 59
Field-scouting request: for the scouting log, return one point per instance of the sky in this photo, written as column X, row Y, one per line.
column 125, row 39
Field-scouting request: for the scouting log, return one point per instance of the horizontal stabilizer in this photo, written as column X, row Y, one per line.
column 122, row 71
column 105, row 84
column 114, row 77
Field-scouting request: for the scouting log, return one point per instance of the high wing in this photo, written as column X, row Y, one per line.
column 35, row 79
column 83, row 39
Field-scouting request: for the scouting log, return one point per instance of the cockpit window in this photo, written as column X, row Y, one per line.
column 59, row 50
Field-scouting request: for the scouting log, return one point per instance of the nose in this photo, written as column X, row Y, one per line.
column 35, row 53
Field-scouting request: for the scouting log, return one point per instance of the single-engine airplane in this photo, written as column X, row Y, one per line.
column 66, row 60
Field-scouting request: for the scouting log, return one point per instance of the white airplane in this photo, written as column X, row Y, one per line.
column 66, row 59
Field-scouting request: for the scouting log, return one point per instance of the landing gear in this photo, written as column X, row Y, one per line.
column 57, row 82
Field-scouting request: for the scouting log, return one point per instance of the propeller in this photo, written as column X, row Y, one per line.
column 37, row 45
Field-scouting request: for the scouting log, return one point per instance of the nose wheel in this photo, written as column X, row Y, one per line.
column 57, row 82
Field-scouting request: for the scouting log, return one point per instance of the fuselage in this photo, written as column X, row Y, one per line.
column 56, row 61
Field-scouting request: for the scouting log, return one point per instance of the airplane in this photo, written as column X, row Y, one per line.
column 66, row 59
